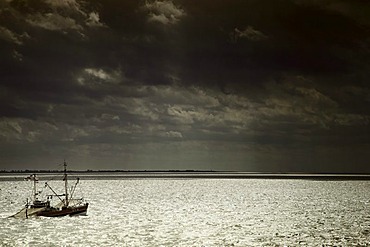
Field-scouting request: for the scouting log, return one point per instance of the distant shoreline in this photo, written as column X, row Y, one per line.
column 116, row 175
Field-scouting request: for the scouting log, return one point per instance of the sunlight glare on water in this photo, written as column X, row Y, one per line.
column 198, row 212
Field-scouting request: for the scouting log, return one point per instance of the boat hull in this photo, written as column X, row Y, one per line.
column 75, row 210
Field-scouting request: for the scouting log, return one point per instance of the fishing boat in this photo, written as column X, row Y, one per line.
column 68, row 205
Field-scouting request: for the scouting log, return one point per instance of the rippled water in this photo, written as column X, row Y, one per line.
column 198, row 212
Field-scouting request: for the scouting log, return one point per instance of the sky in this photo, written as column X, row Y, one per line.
column 238, row 85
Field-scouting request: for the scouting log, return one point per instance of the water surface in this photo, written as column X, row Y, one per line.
column 198, row 212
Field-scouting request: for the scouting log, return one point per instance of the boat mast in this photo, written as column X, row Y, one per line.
column 33, row 177
column 65, row 183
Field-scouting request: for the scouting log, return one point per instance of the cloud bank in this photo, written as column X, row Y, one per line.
column 247, row 85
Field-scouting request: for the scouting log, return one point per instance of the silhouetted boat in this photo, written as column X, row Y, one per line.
column 67, row 205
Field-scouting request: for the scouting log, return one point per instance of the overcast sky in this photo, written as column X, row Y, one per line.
column 247, row 85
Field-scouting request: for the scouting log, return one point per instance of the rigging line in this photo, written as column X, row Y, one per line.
column 46, row 184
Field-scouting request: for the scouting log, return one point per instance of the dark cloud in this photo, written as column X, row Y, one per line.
column 164, row 84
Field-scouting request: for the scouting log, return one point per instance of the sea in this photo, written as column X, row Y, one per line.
column 202, row 211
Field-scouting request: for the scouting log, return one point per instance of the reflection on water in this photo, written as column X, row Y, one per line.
column 198, row 212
